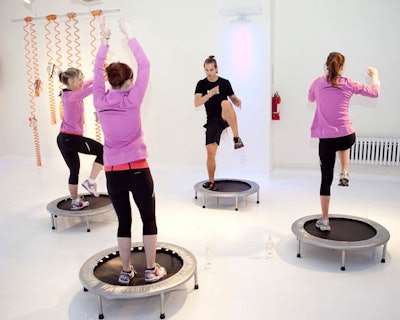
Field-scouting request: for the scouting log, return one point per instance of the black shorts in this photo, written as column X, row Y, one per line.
column 336, row 144
column 214, row 130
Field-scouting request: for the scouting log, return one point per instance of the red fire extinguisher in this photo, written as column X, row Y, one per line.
column 276, row 99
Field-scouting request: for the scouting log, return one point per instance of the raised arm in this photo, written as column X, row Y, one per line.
column 98, row 80
column 81, row 94
column 138, row 90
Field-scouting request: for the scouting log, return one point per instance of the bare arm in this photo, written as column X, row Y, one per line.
column 199, row 99
column 235, row 100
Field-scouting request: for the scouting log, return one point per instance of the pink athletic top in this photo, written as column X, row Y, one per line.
column 119, row 110
column 73, row 109
column 331, row 118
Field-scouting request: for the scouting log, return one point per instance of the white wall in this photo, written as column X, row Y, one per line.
column 304, row 34
column 177, row 36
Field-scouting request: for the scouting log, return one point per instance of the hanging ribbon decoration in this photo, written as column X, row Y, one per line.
column 50, row 69
column 57, row 37
column 95, row 13
column 73, row 45
column 34, row 83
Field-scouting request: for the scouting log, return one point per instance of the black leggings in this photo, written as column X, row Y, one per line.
column 71, row 145
column 327, row 156
column 140, row 183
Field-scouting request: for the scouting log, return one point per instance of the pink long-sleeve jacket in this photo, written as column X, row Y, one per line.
column 331, row 118
column 119, row 111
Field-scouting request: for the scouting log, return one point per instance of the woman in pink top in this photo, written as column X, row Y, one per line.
column 71, row 141
column 125, row 153
column 332, row 125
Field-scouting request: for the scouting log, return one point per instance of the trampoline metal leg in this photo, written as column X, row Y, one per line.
column 53, row 222
column 87, row 224
column 258, row 196
column 383, row 260
column 101, row 315
column 343, row 268
column 162, row 313
column 299, row 248
column 195, row 194
column 204, row 201
column 196, row 283
column 236, row 203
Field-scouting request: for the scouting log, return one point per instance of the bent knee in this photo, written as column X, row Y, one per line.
column 226, row 104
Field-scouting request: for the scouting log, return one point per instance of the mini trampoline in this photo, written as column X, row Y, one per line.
column 62, row 207
column 347, row 233
column 99, row 274
column 228, row 188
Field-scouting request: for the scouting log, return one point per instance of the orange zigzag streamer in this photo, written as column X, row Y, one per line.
column 68, row 32
column 29, row 40
column 95, row 13
column 77, row 45
column 50, row 80
column 59, row 62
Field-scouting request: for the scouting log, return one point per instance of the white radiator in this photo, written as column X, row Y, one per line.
column 376, row 151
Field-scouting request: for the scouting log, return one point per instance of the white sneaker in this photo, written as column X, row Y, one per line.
column 125, row 277
column 344, row 179
column 91, row 187
column 323, row 225
column 78, row 204
column 154, row 275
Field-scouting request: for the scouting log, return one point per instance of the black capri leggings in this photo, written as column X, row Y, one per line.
column 327, row 156
column 140, row 183
column 71, row 145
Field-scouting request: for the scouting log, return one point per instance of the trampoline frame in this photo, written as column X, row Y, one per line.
column 55, row 211
column 381, row 238
column 105, row 290
column 254, row 188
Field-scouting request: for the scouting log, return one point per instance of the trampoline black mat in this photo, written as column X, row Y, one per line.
column 95, row 203
column 109, row 268
column 342, row 229
column 232, row 186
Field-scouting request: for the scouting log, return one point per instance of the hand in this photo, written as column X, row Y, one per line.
column 237, row 102
column 372, row 71
column 125, row 27
column 104, row 30
column 213, row 91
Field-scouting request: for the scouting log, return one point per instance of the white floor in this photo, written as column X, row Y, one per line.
column 39, row 266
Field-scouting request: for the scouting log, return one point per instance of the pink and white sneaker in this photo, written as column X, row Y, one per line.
column 91, row 187
column 155, row 274
column 78, row 204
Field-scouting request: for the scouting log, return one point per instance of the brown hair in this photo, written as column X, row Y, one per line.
column 334, row 63
column 118, row 73
column 70, row 73
column 210, row 59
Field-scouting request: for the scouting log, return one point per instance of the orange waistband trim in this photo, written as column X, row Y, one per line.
column 74, row 133
column 138, row 164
